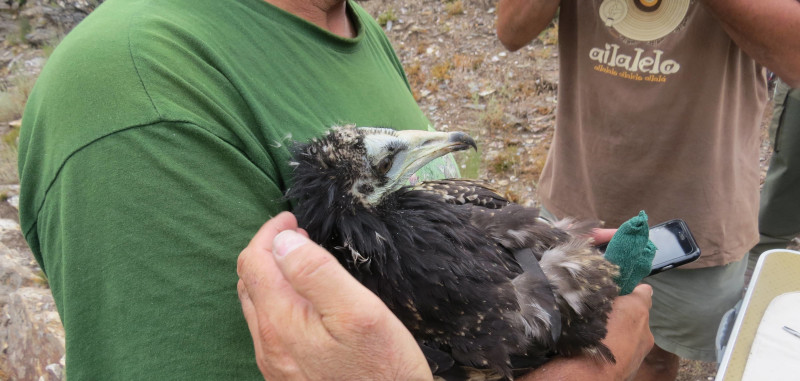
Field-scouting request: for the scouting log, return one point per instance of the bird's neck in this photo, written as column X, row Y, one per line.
column 358, row 236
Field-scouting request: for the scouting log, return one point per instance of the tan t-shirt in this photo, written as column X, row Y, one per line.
column 670, row 126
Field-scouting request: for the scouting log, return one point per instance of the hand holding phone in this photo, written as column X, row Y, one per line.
column 675, row 245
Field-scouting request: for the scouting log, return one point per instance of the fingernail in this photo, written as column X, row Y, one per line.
column 286, row 241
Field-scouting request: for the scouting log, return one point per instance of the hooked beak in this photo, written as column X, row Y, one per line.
column 424, row 146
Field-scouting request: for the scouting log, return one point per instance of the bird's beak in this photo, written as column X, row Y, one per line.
column 424, row 146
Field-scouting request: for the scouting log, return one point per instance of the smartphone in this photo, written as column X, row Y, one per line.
column 675, row 245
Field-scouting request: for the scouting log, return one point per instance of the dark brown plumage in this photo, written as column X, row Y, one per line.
column 441, row 254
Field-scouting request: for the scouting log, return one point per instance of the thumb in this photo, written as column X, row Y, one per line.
column 645, row 293
column 316, row 275
column 602, row 236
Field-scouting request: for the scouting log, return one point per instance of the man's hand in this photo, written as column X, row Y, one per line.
column 628, row 337
column 310, row 319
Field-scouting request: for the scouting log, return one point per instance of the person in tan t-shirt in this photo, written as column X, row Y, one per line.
column 660, row 103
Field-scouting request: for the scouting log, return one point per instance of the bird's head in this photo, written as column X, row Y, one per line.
column 343, row 182
column 360, row 166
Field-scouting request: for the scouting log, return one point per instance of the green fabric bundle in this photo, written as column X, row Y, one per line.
column 632, row 251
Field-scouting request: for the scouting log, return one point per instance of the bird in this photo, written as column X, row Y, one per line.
column 487, row 288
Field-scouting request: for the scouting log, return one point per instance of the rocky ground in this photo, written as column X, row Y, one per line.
column 462, row 77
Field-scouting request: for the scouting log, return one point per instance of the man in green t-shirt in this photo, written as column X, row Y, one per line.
column 156, row 143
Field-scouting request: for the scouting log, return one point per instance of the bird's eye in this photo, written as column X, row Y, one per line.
column 385, row 165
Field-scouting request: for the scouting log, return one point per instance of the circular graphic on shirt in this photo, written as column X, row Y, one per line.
column 643, row 20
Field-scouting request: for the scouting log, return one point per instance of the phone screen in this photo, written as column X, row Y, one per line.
column 669, row 247
column 675, row 245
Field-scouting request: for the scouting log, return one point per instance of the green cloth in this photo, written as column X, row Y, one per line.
column 155, row 144
column 632, row 251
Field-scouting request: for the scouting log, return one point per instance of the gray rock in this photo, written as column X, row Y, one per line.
column 16, row 270
column 50, row 20
column 41, row 37
column 14, row 201
column 32, row 336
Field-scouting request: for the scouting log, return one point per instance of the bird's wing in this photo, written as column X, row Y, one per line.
column 512, row 225
column 578, row 275
column 464, row 191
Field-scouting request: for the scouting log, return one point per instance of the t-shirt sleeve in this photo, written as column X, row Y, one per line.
column 143, row 229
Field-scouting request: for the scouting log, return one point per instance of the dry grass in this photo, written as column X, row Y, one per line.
column 13, row 95
column 454, row 8
column 386, row 16
column 549, row 36
column 461, row 61
column 696, row 370
column 8, row 164
column 441, row 71
column 492, row 117
column 416, row 78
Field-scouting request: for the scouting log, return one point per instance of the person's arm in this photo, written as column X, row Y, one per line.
column 629, row 339
column 520, row 21
column 140, row 233
column 766, row 30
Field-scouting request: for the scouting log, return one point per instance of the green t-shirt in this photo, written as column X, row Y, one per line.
column 156, row 143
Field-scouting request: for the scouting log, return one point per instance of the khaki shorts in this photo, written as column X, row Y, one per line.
column 688, row 306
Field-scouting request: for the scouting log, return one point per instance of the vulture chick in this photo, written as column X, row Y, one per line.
column 488, row 289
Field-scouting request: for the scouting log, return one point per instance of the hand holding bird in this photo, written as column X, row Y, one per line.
column 311, row 320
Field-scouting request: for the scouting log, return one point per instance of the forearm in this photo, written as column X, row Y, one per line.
column 766, row 30
column 520, row 21
column 585, row 368
column 628, row 338
column 572, row 369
